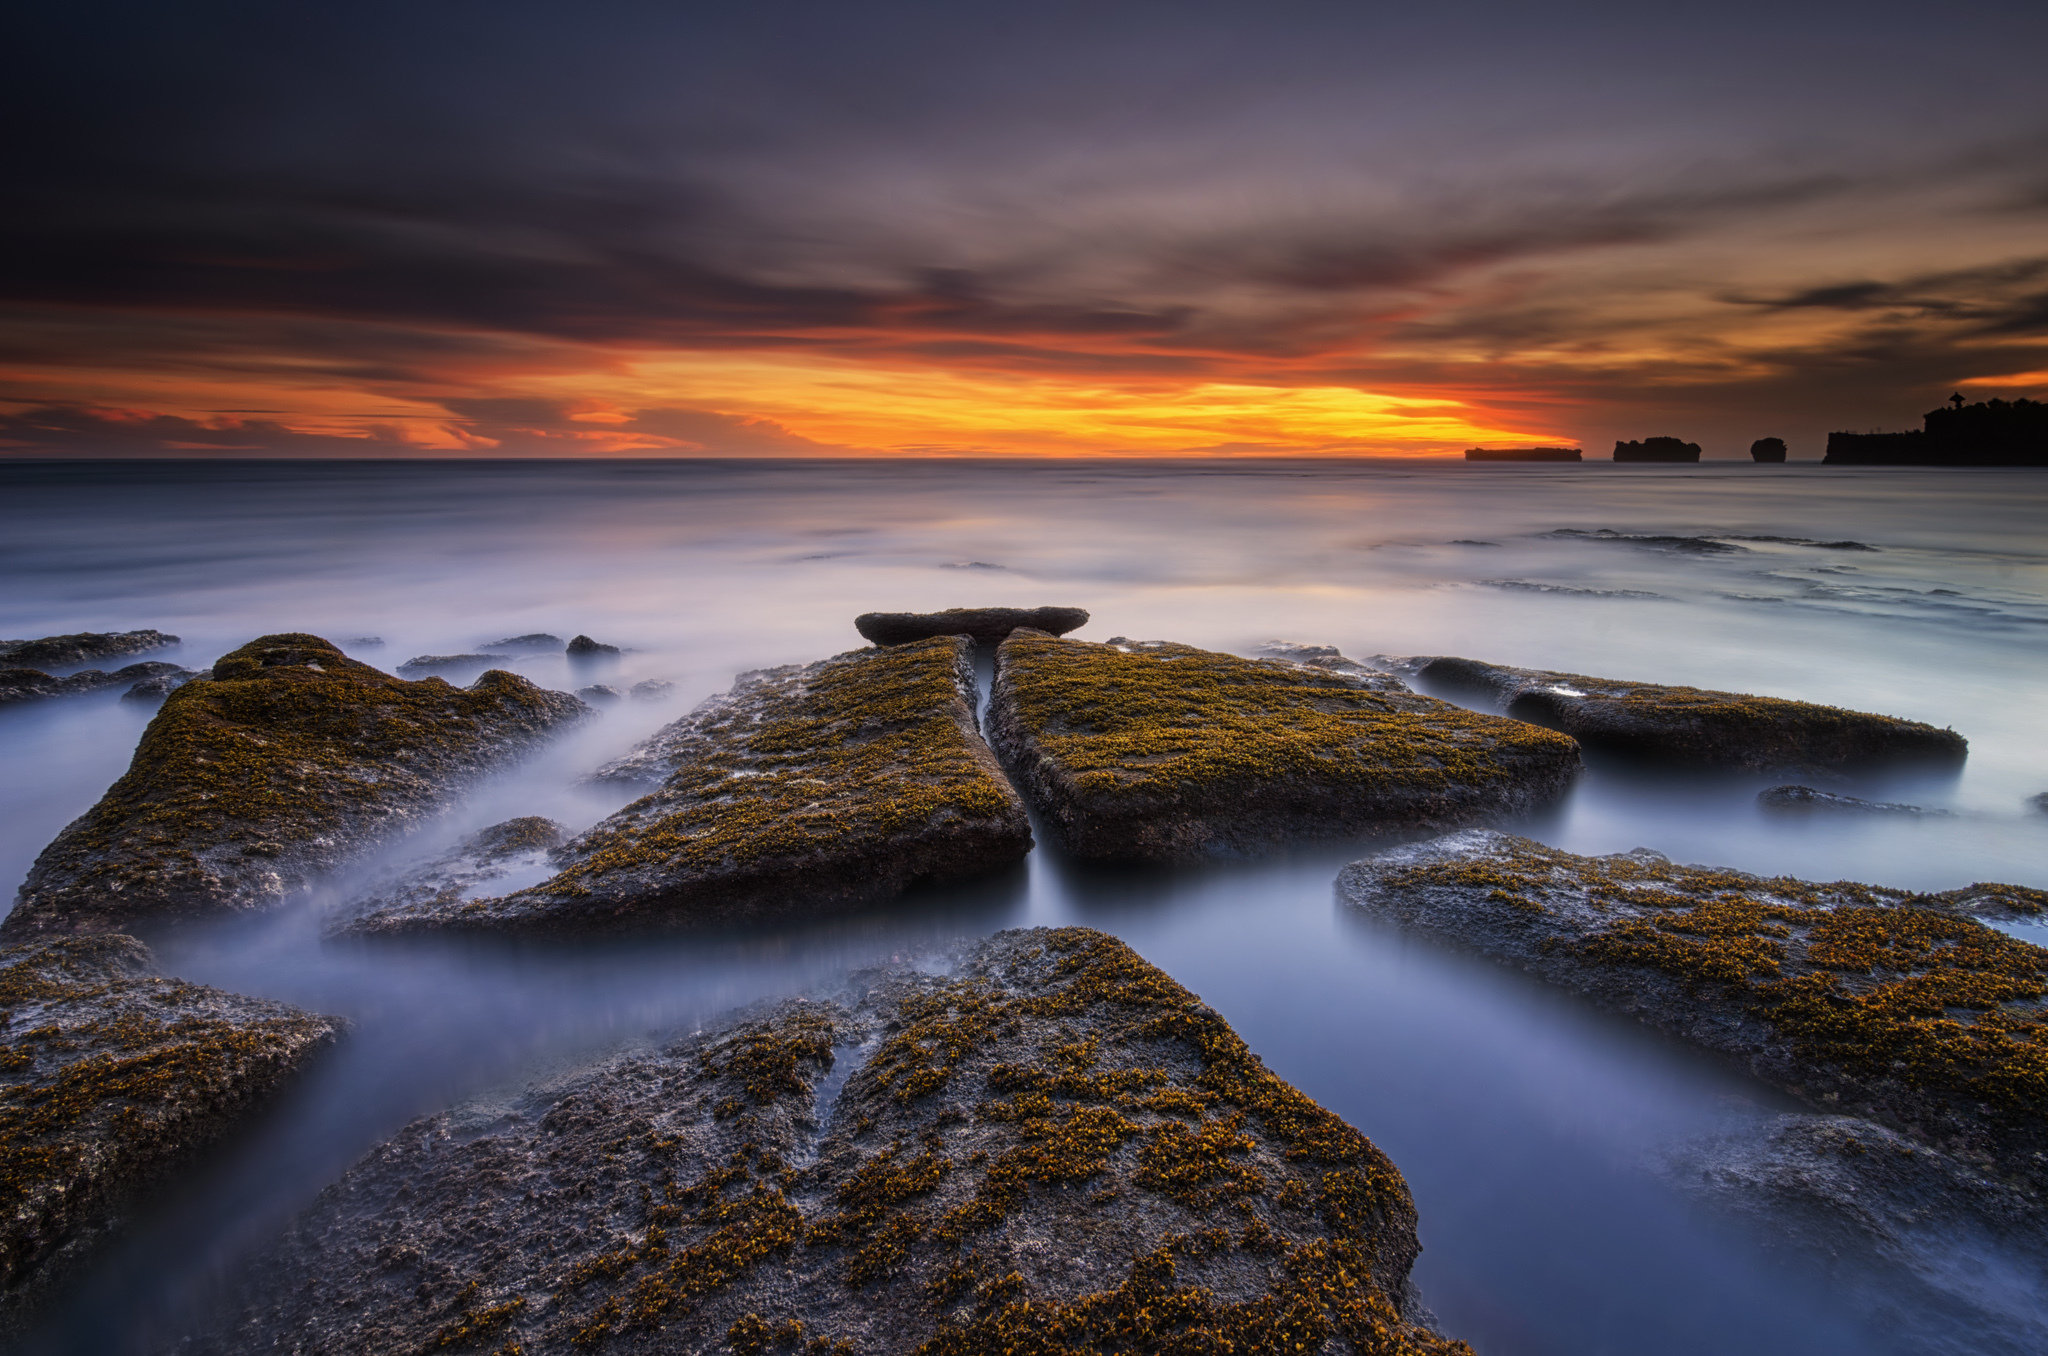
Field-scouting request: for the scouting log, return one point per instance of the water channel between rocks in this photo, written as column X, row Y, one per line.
column 1523, row 1121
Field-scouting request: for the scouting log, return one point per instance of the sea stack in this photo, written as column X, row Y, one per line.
column 1657, row 449
column 1767, row 449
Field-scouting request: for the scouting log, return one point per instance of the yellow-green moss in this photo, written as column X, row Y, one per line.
column 1170, row 717
column 871, row 747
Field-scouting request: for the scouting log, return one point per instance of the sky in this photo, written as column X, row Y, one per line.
column 909, row 229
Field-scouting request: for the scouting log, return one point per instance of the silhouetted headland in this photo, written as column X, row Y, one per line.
column 1522, row 454
column 1989, row 433
column 1657, row 449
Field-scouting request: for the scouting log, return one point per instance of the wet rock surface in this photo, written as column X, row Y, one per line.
column 1909, row 1230
column 481, row 864
column 804, row 791
column 1800, row 799
column 83, row 647
column 984, row 625
column 22, row 685
column 1052, row 1148
column 158, row 686
column 291, row 761
column 1897, row 1007
column 1151, row 751
column 111, row 1078
column 1689, row 725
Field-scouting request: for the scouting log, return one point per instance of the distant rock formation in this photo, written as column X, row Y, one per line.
column 585, row 647
column 1523, row 454
column 1989, row 433
column 1657, row 449
column 84, row 647
column 538, row 642
column 1767, row 449
column 20, row 685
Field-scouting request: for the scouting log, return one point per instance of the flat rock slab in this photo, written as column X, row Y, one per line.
column 1053, row 1148
column 84, row 647
column 111, row 1078
column 1801, row 799
column 291, row 761
column 804, row 791
column 20, row 685
column 1690, row 725
column 984, row 625
column 1155, row 752
column 1898, row 1007
column 488, row 862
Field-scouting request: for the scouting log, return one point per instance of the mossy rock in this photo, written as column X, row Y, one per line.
column 984, row 625
column 111, row 1079
column 804, row 791
column 291, row 761
column 1887, row 1004
column 1160, row 752
column 1052, row 1148
column 1690, row 725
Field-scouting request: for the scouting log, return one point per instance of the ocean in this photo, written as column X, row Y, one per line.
column 1526, row 1123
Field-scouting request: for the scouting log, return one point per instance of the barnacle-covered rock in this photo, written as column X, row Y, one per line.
column 1150, row 751
column 83, row 647
column 1895, row 1006
column 291, row 761
column 985, row 625
column 803, row 791
column 1689, row 724
column 20, row 685
column 1054, row 1148
column 110, row 1079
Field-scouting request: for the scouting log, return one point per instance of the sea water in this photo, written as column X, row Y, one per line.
column 1524, row 1121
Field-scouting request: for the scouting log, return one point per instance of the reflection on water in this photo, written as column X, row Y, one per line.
column 1518, row 1116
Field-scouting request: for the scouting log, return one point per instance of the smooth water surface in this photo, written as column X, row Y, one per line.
column 1521, row 1118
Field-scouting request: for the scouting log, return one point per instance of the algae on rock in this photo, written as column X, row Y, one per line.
column 1160, row 752
column 109, row 1079
column 1690, row 724
column 1888, row 1004
column 1053, row 1148
column 803, row 791
column 291, row 761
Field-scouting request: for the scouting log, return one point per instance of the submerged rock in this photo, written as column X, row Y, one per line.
column 1794, row 799
column 538, row 642
column 585, row 648
column 84, row 647
column 804, row 791
column 21, row 685
column 487, row 859
column 1150, row 751
column 600, row 694
column 421, row 665
column 110, row 1079
column 1894, row 1006
column 1928, row 1247
column 985, row 625
column 291, row 761
column 162, row 685
column 653, row 690
column 1054, row 1149
column 1692, row 725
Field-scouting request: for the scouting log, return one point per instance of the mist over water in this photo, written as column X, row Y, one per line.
column 1520, row 1118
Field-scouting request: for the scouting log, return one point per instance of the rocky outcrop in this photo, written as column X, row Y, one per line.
column 1896, row 1007
column 490, row 861
column 1657, row 449
column 110, row 1079
column 420, row 666
column 583, row 647
column 1150, row 751
column 537, row 642
column 653, row 690
column 1800, row 799
column 600, row 694
column 1939, row 1256
column 159, row 686
column 1689, row 725
column 84, row 647
column 804, row 791
column 1767, row 449
column 1054, row 1148
column 291, row 761
column 21, row 685
column 984, row 625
